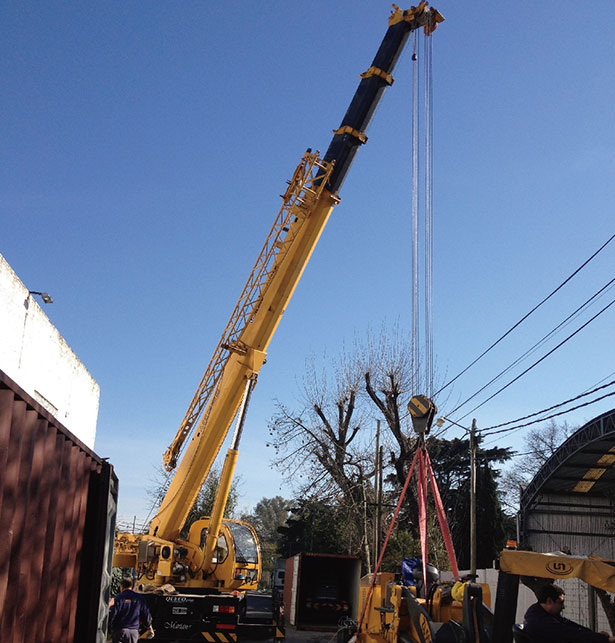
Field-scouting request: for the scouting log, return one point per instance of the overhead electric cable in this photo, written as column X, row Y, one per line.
column 510, row 330
column 578, row 330
column 548, row 417
column 539, row 343
column 599, row 382
column 518, row 455
column 550, row 408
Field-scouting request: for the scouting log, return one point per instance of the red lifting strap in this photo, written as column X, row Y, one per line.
column 421, row 484
column 425, row 471
column 386, row 540
column 446, row 532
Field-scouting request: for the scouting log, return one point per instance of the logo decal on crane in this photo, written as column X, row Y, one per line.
column 559, row 568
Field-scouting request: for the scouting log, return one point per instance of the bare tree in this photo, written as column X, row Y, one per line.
column 327, row 446
column 320, row 448
column 538, row 446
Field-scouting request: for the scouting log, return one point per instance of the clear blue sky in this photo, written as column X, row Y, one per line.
column 145, row 146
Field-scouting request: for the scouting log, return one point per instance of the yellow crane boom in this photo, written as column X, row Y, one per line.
column 241, row 351
column 221, row 556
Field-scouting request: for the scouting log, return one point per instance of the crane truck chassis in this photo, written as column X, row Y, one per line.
column 209, row 572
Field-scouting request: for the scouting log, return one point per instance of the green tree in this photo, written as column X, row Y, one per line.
column 451, row 463
column 204, row 502
column 314, row 526
column 539, row 445
column 491, row 523
column 268, row 516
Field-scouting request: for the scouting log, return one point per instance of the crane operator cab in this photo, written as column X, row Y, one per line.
column 235, row 564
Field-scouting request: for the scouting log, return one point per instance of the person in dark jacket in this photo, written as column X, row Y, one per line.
column 127, row 611
column 543, row 622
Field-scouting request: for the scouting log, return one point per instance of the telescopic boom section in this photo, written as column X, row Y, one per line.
column 307, row 204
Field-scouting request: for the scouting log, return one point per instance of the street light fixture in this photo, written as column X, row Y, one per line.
column 441, row 420
column 45, row 296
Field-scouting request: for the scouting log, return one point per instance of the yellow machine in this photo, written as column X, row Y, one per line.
column 393, row 613
column 219, row 558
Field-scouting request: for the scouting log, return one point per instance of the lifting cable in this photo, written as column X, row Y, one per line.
column 425, row 378
column 428, row 216
column 415, row 328
column 422, row 203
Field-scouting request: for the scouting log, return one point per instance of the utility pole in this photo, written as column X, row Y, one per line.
column 379, row 511
column 377, row 465
column 473, row 500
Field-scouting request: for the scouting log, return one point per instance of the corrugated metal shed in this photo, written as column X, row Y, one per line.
column 570, row 503
column 57, row 518
column 570, row 506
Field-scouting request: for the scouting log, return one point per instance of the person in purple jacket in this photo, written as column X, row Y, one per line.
column 543, row 622
column 127, row 611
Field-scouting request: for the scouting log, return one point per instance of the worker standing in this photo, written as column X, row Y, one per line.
column 128, row 610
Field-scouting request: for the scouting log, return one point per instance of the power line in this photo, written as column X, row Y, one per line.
column 518, row 455
column 510, row 330
column 550, row 408
column 592, row 389
column 548, row 417
column 578, row 330
column 537, row 344
column 599, row 382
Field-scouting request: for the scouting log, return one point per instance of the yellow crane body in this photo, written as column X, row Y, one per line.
column 223, row 556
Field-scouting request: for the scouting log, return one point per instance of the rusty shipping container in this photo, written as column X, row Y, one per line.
column 320, row 590
column 58, row 504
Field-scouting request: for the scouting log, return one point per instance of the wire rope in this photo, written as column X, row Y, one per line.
column 415, row 217
column 422, row 204
column 428, row 88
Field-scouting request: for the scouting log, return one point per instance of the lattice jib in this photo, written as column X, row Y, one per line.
column 304, row 189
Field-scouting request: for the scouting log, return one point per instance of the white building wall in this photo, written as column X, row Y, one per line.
column 35, row 355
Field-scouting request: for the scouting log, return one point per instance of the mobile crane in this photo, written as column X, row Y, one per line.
column 219, row 561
